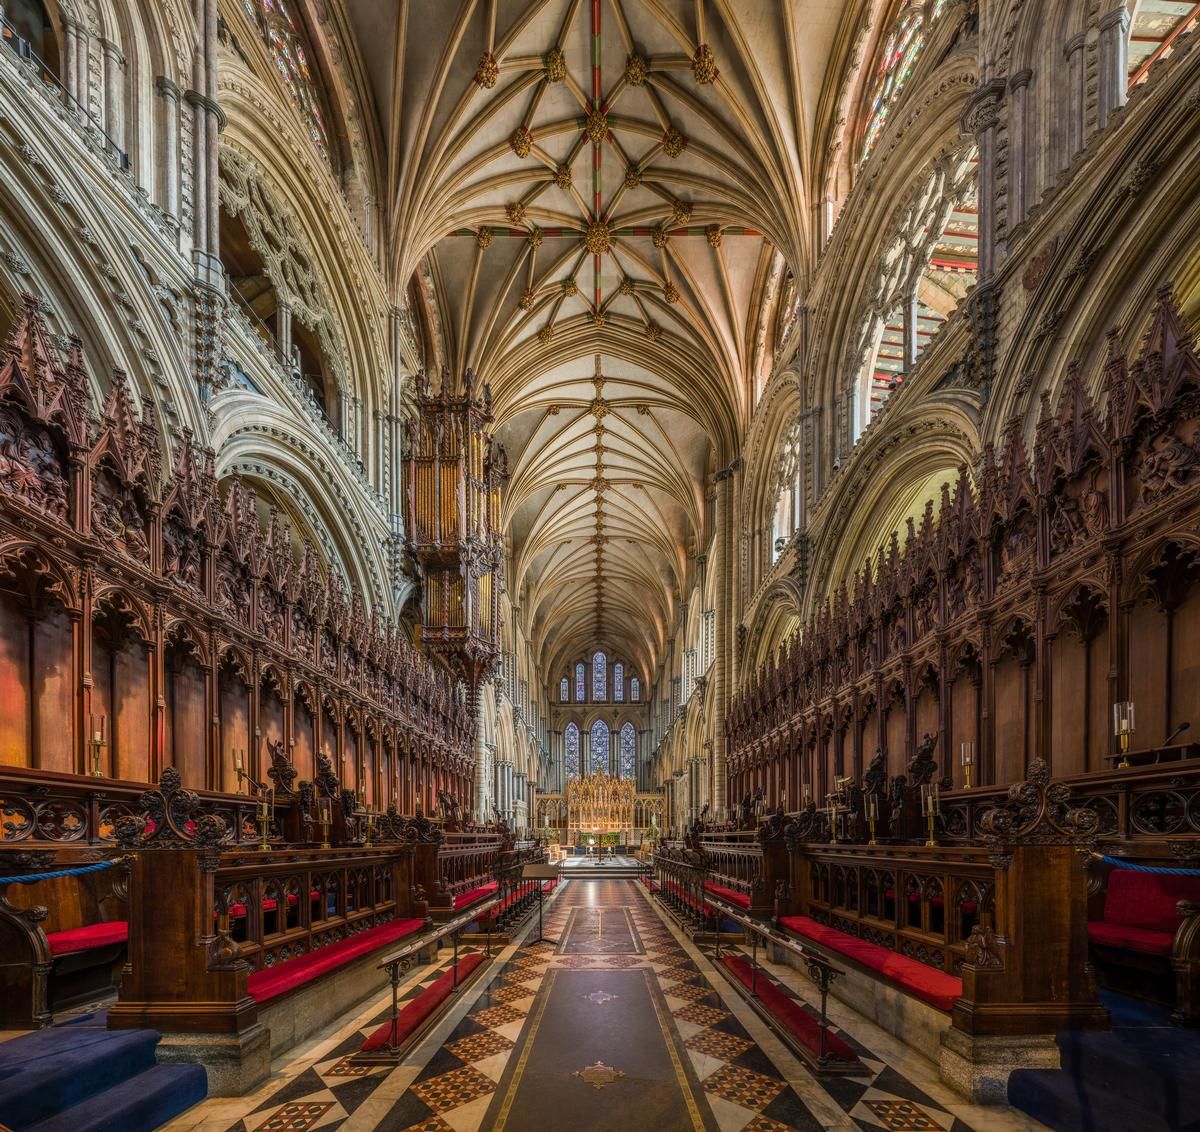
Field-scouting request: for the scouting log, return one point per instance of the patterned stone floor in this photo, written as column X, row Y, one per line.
column 461, row 1078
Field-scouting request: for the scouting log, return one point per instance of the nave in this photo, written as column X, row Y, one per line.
column 623, row 1023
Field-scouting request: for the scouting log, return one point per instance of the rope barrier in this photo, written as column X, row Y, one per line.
column 33, row 878
column 1118, row 863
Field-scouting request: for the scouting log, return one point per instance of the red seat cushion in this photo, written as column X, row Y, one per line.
column 926, row 983
column 788, row 1011
column 729, row 895
column 88, row 938
column 1142, row 940
column 1147, row 900
column 420, row 1008
column 271, row 982
column 476, row 894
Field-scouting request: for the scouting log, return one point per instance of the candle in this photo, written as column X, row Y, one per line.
column 968, row 754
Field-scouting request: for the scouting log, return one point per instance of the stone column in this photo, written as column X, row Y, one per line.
column 207, row 122
column 283, row 333
column 1076, row 78
column 722, row 666
column 70, row 50
column 980, row 117
column 483, row 773
column 75, row 63
column 910, row 332
column 114, row 93
column 1018, row 148
column 1114, row 62
column 169, row 93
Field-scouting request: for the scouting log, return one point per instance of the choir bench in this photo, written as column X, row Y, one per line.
column 235, row 955
column 62, row 940
column 1144, row 932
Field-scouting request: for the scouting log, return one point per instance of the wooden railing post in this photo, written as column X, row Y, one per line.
column 1027, row 975
column 184, row 977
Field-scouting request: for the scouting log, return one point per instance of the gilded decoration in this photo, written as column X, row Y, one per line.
column 521, row 141
column 488, row 71
column 554, row 66
column 598, row 238
column 704, row 65
column 674, row 143
column 636, row 70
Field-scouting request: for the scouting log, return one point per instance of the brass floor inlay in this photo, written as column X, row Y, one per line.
column 598, row 1075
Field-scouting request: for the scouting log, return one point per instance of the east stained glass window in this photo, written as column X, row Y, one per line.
column 618, row 682
column 896, row 62
column 628, row 751
column 635, row 690
column 564, row 690
column 285, row 39
column 599, row 759
column 571, row 751
column 580, row 683
column 599, row 677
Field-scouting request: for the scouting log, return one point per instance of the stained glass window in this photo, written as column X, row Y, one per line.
column 896, row 62
column 599, row 677
column 580, row 683
column 618, row 682
column 635, row 690
column 285, row 39
column 571, row 751
column 564, row 690
column 600, row 752
column 628, row 751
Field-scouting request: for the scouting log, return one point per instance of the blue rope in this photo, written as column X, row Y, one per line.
column 1116, row 862
column 33, row 878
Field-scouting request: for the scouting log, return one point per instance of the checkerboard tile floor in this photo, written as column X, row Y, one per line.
column 745, row 1088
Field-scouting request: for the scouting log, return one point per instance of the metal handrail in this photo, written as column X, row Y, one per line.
column 402, row 958
column 819, row 969
column 24, row 51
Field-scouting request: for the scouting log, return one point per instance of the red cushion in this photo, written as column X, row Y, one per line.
column 729, row 895
column 788, row 1011
column 926, row 983
column 271, row 982
column 1147, row 900
column 88, row 938
column 1142, row 940
column 476, row 894
column 420, row 1008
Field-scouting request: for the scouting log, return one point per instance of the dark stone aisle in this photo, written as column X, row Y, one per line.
column 610, row 1024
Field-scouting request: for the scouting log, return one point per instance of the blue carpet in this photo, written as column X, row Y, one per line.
column 1143, row 1075
column 86, row 1079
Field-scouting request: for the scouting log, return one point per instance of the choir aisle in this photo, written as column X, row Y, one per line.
column 614, row 1021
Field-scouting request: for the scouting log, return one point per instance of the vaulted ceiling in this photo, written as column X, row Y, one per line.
column 601, row 197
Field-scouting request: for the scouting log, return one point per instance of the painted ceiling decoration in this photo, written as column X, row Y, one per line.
column 602, row 195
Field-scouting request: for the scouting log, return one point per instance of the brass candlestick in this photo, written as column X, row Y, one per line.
column 932, row 805
column 97, row 745
column 325, row 829
column 265, row 817
column 1124, row 727
column 968, row 761
column 264, row 829
column 872, row 816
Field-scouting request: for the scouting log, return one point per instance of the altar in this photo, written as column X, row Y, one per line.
column 601, row 811
column 600, row 804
